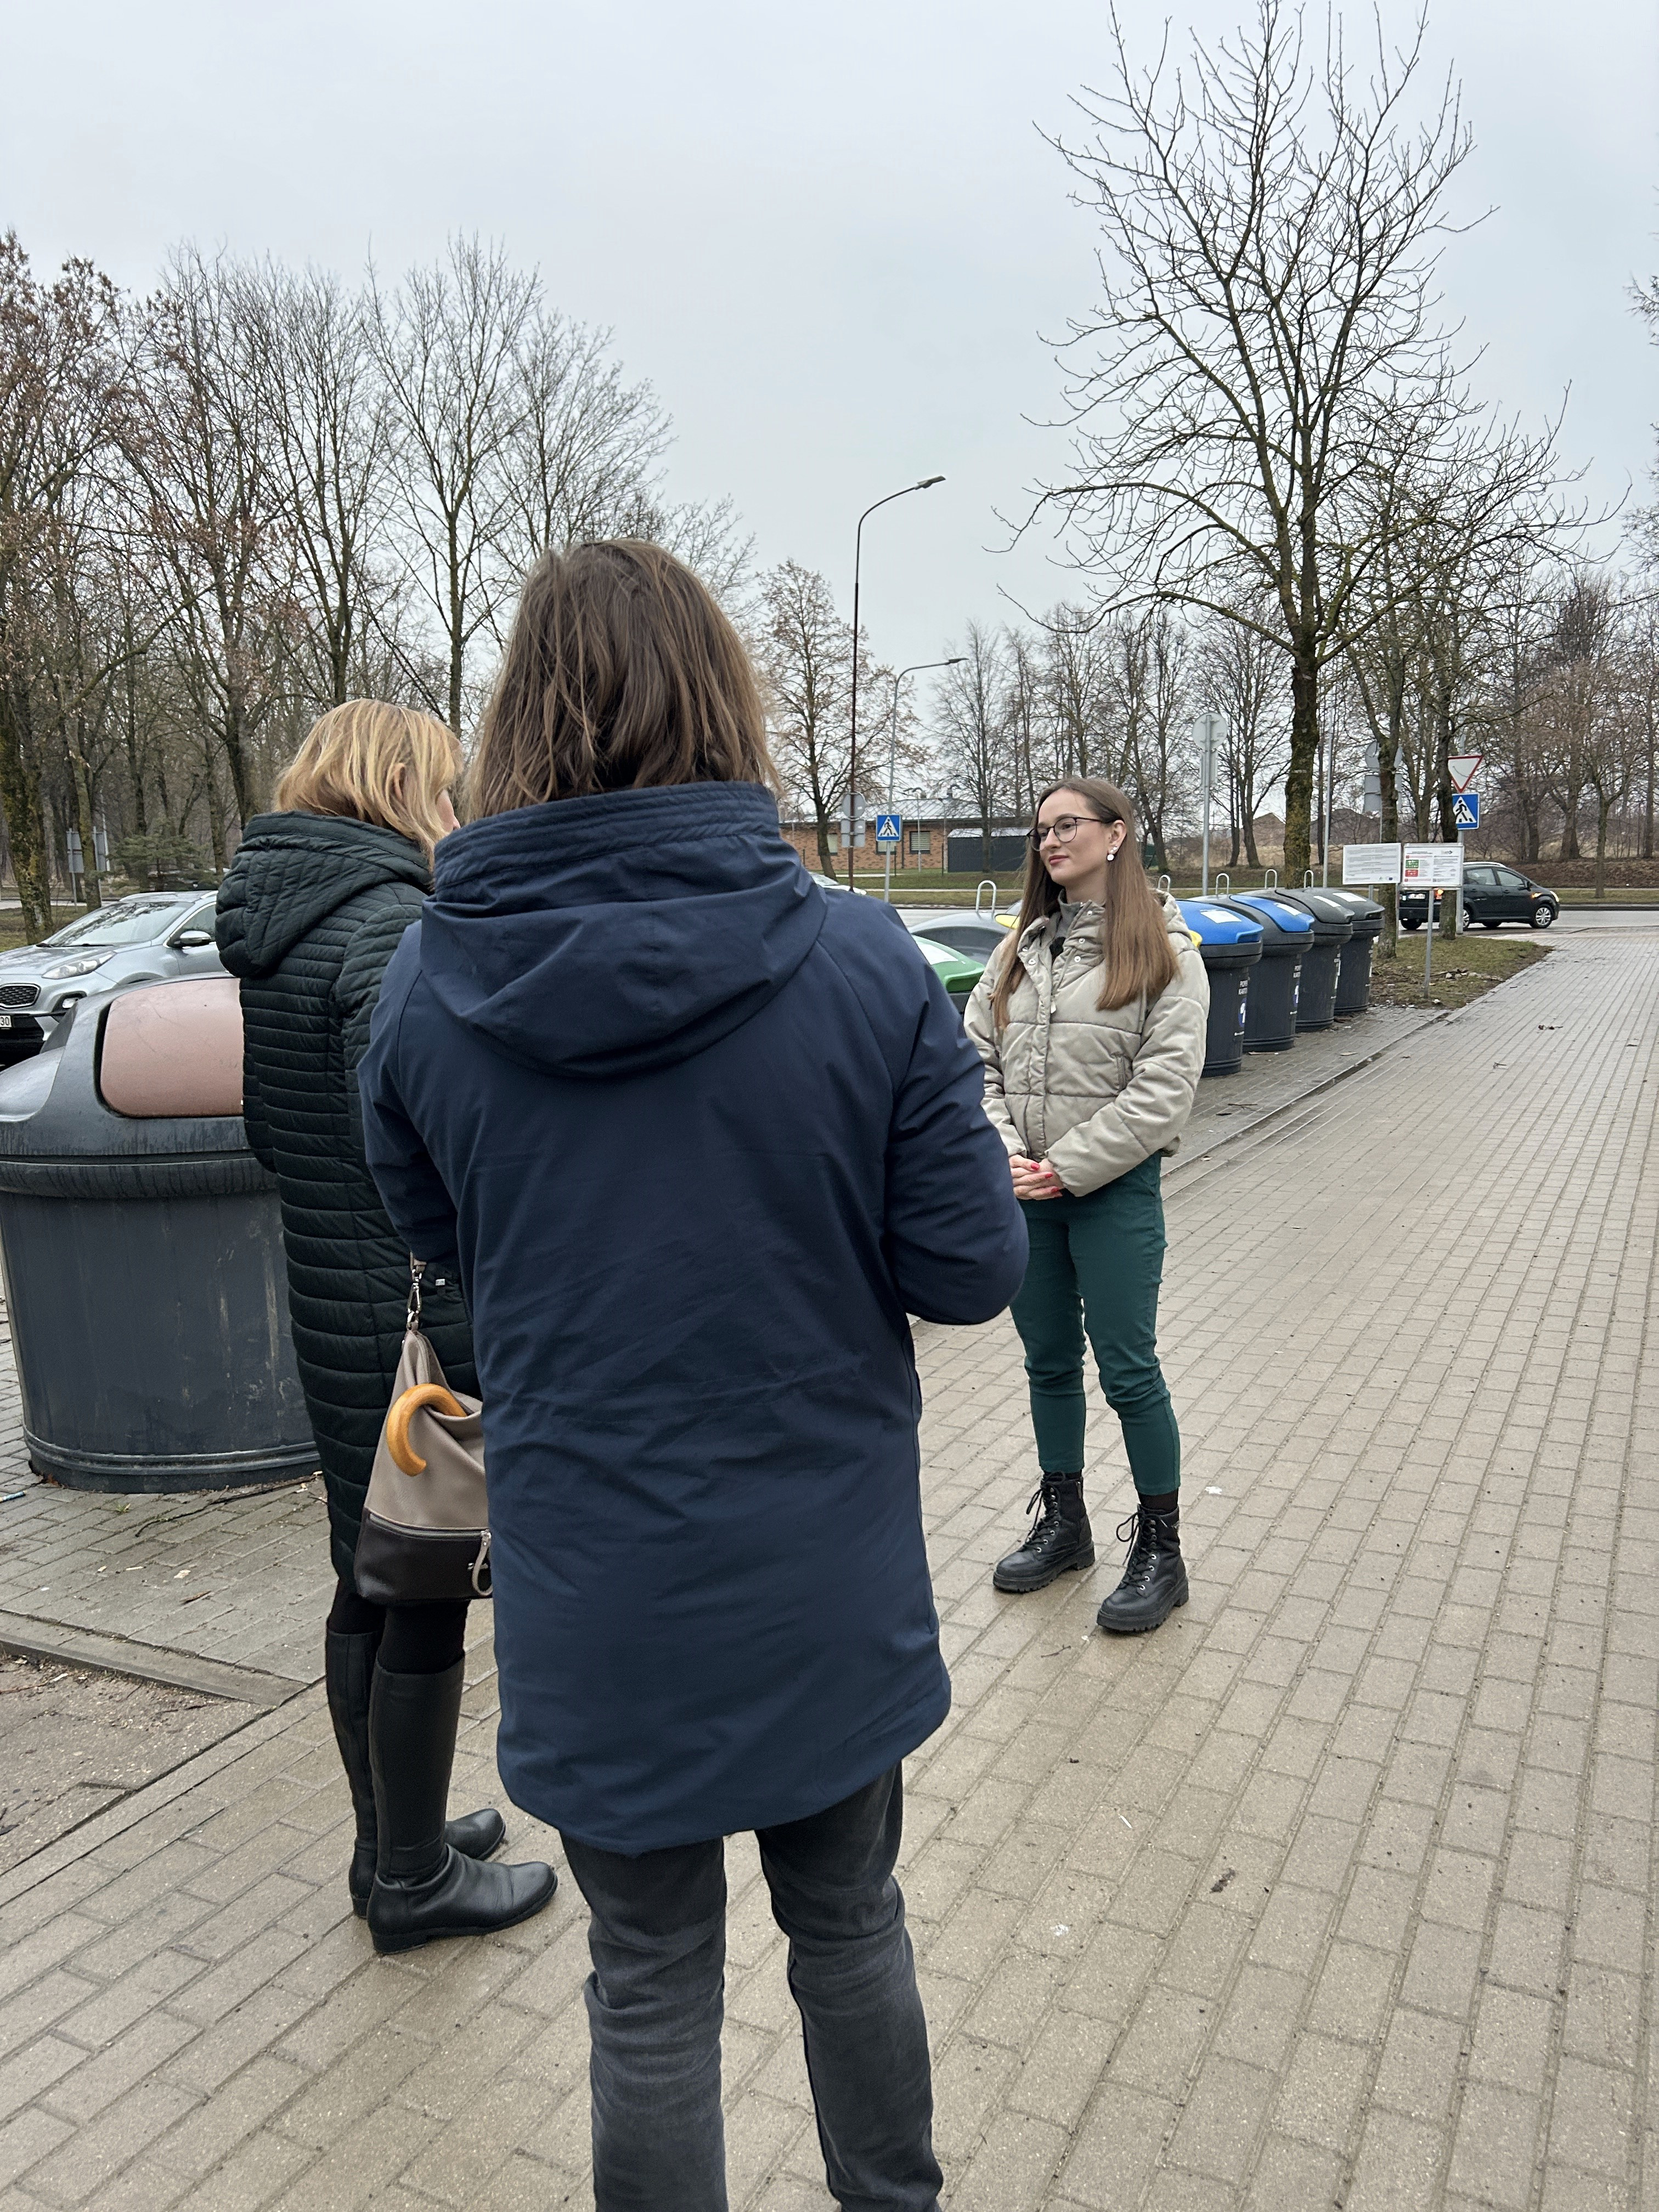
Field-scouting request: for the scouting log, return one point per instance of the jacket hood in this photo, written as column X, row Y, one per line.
column 292, row 871
column 613, row 935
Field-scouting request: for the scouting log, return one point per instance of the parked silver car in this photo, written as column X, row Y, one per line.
column 153, row 937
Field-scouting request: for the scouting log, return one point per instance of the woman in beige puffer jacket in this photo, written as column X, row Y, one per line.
column 1090, row 1024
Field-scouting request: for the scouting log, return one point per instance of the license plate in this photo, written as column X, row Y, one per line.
column 5, row 1021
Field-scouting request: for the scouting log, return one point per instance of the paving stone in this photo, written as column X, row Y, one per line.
column 1335, row 1890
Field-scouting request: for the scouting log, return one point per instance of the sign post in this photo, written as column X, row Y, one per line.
column 1430, row 868
column 1463, row 767
column 1206, row 729
column 889, row 835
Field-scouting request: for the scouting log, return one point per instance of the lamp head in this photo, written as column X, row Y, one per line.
column 927, row 482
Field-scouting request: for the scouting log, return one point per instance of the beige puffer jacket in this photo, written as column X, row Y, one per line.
column 1093, row 1091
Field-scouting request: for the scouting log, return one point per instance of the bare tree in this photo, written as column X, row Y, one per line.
column 204, row 447
column 1242, row 678
column 1270, row 235
column 61, row 385
column 973, row 730
column 1077, row 689
column 805, row 660
column 313, row 350
column 448, row 343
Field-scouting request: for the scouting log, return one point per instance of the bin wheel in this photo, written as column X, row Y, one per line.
column 1404, row 924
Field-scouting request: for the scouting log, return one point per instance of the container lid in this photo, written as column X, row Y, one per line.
column 1213, row 923
column 174, row 1050
column 1333, row 923
column 1287, row 920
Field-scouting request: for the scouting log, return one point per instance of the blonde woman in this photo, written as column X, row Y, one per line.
column 1090, row 1024
column 313, row 908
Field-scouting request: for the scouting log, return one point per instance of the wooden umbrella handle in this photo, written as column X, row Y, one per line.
column 403, row 1454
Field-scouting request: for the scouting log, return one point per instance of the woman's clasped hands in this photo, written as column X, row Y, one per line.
column 1034, row 1178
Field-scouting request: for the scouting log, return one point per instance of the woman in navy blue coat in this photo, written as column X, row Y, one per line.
column 699, row 1135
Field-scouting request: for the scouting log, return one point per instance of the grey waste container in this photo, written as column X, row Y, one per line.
column 1270, row 1022
column 143, row 1261
column 1230, row 946
column 1332, row 928
column 1353, row 981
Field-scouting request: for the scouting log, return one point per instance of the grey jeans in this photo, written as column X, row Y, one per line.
column 655, row 2002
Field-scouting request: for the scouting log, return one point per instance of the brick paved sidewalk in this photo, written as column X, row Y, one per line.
column 1335, row 1891
column 224, row 1593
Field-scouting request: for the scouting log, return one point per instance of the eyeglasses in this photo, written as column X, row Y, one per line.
column 1065, row 828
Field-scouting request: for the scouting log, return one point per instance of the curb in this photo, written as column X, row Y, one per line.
column 1180, row 1171
column 145, row 1662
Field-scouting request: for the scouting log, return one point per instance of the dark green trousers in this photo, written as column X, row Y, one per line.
column 1095, row 1264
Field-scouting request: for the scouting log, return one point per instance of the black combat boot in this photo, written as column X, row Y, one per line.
column 423, row 1888
column 1061, row 1542
column 348, row 1668
column 1154, row 1575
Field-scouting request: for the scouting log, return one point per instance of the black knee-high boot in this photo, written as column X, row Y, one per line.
column 348, row 1668
column 423, row 1888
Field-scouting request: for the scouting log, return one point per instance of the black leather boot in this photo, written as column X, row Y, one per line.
column 1061, row 1542
column 1154, row 1575
column 349, row 1669
column 423, row 1888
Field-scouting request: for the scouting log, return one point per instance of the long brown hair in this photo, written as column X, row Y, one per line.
column 1138, row 957
column 620, row 671
column 373, row 762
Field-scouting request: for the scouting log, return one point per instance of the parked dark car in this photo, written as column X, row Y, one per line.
column 151, row 937
column 1492, row 894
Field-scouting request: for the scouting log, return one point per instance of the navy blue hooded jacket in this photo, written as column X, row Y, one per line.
column 699, row 1135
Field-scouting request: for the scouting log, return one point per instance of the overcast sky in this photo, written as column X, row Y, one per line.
column 833, row 238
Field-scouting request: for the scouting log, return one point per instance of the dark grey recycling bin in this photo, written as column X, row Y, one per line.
column 1332, row 928
column 1353, row 981
column 144, row 1281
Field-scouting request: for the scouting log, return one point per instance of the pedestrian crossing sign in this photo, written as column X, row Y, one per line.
column 890, row 829
column 1466, row 810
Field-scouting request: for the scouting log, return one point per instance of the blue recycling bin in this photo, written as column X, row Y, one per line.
column 1270, row 1021
column 1229, row 945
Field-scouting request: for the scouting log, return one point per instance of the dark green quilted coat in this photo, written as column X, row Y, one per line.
column 309, row 914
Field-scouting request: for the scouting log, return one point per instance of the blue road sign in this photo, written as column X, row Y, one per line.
column 890, row 829
column 1466, row 810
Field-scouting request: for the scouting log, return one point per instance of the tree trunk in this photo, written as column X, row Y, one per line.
column 1604, row 808
column 1387, row 757
column 26, row 828
column 81, row 794
column 1299, row 777
column 215, row 826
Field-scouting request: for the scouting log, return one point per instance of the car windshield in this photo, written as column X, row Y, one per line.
column 129, row 921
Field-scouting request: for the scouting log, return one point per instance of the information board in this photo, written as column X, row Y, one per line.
column 1436, row 867
column 1370, row 864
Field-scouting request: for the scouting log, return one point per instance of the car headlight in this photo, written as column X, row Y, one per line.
column 82, row 964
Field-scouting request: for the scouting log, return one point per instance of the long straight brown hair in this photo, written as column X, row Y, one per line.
column 620, row 671
column 1138, row 957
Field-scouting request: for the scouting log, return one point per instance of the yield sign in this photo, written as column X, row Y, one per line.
column 1464, row 767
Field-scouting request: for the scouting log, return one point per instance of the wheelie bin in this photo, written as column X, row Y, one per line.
column 1332, row 928
column 1353, row 981
column 1230, row 946
column 143, row 1254
column 1270, row 1023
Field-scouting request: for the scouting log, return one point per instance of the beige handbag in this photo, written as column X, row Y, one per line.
column 425, row 1534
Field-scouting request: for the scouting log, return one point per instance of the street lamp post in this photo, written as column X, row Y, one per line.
column 914, row 669
column 926, row 483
